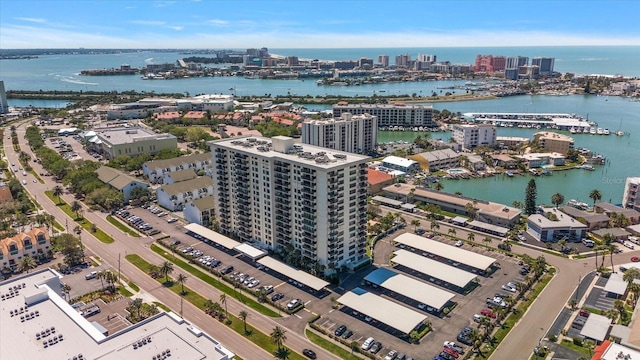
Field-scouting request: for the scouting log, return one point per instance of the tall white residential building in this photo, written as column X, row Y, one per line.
column 631, row 196
column 397, row 114
column 4, row 104
column 545, row 64
column 514, row 62
column 470, row 136
column 276, row 192
column 383, row 60
column 350, row 133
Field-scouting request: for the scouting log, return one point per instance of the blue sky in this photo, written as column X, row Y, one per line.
column 220, row 24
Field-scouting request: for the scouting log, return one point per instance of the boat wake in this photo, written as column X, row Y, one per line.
column 149, row 60
column 79, row 82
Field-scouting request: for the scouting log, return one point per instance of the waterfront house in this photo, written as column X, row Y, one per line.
column 593, row 221
column 433, row 161
column 397, row 163
column 610, row 209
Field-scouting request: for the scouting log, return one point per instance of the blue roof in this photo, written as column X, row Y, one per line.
column 379, row 276
column 359, row 291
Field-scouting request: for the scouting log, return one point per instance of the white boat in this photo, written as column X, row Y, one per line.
column 606, row 132
column 592, row 131
column 620, row 133
column 599, row 131
column 572, row 130
column 585, row 130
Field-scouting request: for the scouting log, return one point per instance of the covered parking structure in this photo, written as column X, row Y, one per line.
column 434, row 298
column 208, row 236
column 468, row 260
column 616, row 287
column 434, row 271
column 249, row 251
column 596, row 327
column 298, row 277
column 396, row 204
column 402, row 319
column 488, row 228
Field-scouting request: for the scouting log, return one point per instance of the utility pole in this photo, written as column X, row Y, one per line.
column 118, row 266
column 181, row 301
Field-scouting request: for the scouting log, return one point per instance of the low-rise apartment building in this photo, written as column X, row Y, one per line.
column 179, row 175
column 200, row 211
column 34, row 243
column 436, row 160
column 553, row 142
column 554, row 225
column 610, row 209
column 155, row 170
column 174, row 197
column 120, row 181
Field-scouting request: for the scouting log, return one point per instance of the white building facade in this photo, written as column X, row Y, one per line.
column 390, row 115
column 350, row 133
column 279, row 193
column 630, row 197
column 174, row 197
column 471, row 136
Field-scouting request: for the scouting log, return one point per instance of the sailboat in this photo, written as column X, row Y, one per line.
column 620, row 132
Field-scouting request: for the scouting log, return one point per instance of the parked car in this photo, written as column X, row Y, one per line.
column 91, row 275
column 226, row 270
column 451, row 352
column 508, row 288
column 347, row 334
column 340, row 330
column 488, row 313
column 376, row 347
column 459, row 243
column 366, row 345
column 277, row 296
column 391, row 355
column 293, row 304
column 454, row 346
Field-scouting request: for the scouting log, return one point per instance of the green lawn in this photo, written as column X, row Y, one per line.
column 162, row 306
column 211, row 280
column 124, row 291
column 330, row 346
column 133, row 286
column 84, row 223
column 257, row 337
column 124, row 228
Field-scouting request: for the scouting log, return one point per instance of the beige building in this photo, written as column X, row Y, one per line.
column 553, row 142
column 130, row 142
column 351, row 133
column 34, row 243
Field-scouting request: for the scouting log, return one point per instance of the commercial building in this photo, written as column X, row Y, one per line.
column 37, row 323
column 547, row 228
column 156, row 170
column 112, row 143
column 436, row 160
column 378, row 180
column 120, row 181
column 630, row 198
column 514, row 62
column 485, row 211
column 174, row 197
column 199, row 211
column 406, row 166
column 473, row 135
column 34, row 243
column 490, row 63
column 545, row 64
column 390, row 115
column 4, row 104
column 350, row 133
column 279, row 193
column 553, row 142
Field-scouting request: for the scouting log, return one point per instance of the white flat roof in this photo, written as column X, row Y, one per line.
column 410, row 287
column 383, row 310
column 444, row 272
column 167, row 331
column 295, row 274
column 596, row 327
column 616, row 285
column 212, row 235
column 386, row 200
column 396, row 160
column 615, row 349
column 457, row 254
column 250, row 251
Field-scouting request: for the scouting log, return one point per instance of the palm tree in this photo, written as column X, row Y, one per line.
column 487, row 239
column 595, row 195
column 612, row 314
column 557, row 199
column 278, row 336
column 634, row 288
column 154, row 271
column 452, row 232
column 137, row 305
column 438, row 186
column 208, row 307
column 471, row 236
column 57, row 192
column 66, row 289
column 165, row 269
column 243, row 316
column 476, row 339
column 182, row 278
column 562, row 243
column 415, row 224
column 27, row 263
column 282, row 353
column 435, row 225
column 612, row 248
column 619, row 305
column 75, row 207
column 223, row 301
column 631, row 274
column 77, row 230
column 111, row 279
column 517, row 204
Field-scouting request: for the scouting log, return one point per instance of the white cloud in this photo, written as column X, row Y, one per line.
column 163, row 3
column 176, row 28
column 218, row 22
column 34, row 20
column 148, row 22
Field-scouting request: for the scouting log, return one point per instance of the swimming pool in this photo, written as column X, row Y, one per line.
column 456, row 171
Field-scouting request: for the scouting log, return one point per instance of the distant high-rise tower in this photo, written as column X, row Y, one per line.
column 403, row 60
column 514, row 62
column 351, row 133
column 545, row 64
column 4, row 105
column 383, row 60
column 426, row 58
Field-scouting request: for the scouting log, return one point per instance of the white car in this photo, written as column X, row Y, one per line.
column 508, row 288
column 391, row 355
column 459, row 243
column 367, row 343
column 294, row 304
column 254, row 283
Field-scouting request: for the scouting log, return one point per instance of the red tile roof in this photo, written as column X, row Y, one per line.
column 377, row 177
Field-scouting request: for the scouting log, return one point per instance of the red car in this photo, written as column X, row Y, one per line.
column 584, row 313
column 488, row 313
column 451, row 352
column 635, row 259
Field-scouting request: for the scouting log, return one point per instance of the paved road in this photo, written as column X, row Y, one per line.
column 112, row 253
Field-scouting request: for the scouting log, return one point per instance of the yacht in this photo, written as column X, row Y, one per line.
column 585, row 130
column 606, row 132
column 599, row 131
column 620, row 133
column 592, row 131
column 572, row 130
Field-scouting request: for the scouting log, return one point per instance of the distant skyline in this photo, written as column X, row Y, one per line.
column 241, row 24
